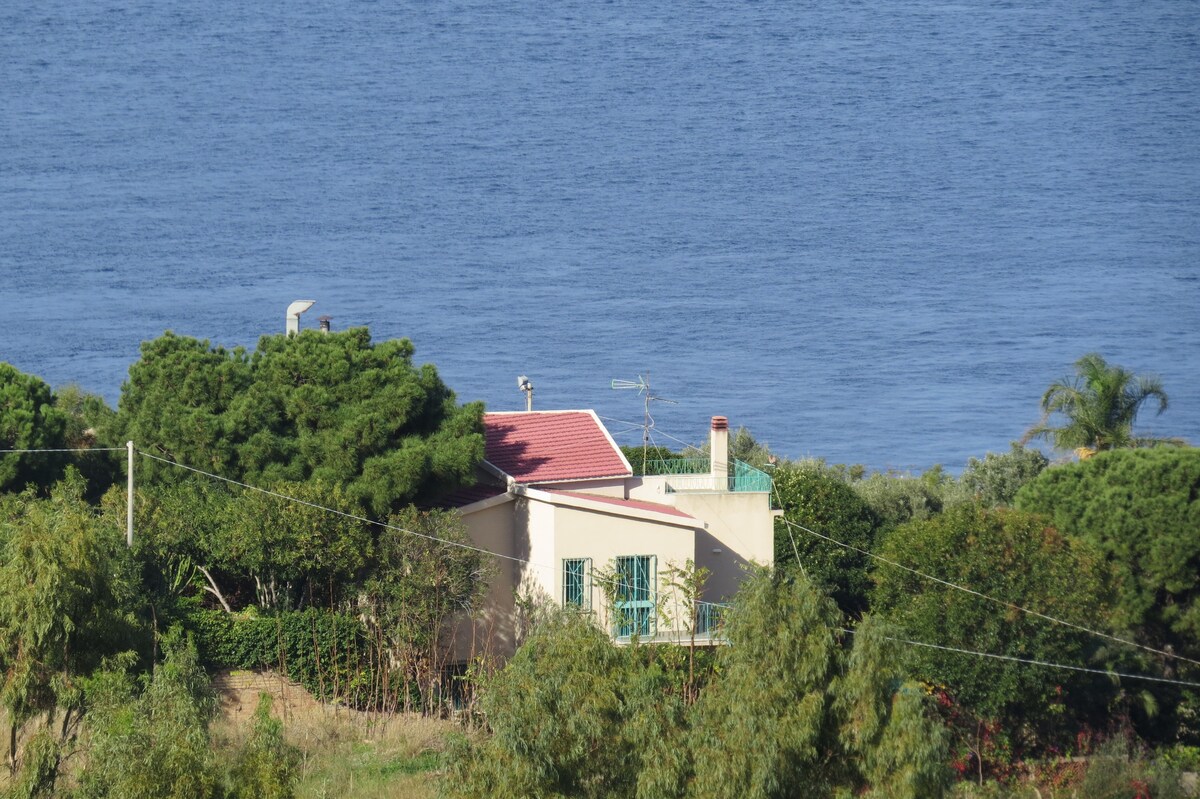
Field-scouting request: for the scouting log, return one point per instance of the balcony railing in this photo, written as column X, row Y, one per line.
column 643, row 622
column 709, row 617
column 694, row 474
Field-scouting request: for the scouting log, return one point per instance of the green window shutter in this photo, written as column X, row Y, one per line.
column 635, row 595
column 652, row 580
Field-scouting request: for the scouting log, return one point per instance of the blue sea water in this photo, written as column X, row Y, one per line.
column 873, row 232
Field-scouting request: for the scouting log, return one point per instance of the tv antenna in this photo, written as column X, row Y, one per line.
column 642, row 386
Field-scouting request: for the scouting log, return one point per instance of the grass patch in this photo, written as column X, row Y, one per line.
column 345, row 753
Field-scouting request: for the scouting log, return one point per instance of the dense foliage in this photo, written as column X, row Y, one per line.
column 898, row 498
column 29, row 420
column 67, row 599
column 1015, row 558
column 995, row 480
column 788, row 711
column 362, row 612
column 151, row 741
column 1141, row 510
column 644, row 460
column 821, row 501
column 328, row 653
column 334, row 409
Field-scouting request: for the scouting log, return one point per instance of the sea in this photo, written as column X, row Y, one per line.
column 872, row 232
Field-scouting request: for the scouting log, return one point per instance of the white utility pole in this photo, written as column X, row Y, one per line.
column 129, row 498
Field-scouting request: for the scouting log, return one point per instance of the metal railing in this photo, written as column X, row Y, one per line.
column 643, row 622
column 709, row 617
column 693, row 474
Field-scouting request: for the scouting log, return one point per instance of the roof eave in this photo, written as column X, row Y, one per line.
column 599, row 506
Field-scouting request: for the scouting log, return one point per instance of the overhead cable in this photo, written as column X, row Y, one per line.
column 73, row 449
column 981, row 595
column 1032, row 662
column 356, row 518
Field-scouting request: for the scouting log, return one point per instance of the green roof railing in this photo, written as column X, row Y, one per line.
column 692, row 474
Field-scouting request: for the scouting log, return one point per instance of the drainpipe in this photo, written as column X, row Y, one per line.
column 718, row 453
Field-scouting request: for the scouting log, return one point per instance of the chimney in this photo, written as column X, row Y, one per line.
column 293, row 314
column 324, row 321
column 718, row 452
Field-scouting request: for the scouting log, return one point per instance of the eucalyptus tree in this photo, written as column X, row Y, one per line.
column 1100, row 404
column 68, row 595
column 791, row 708
column 793, row 711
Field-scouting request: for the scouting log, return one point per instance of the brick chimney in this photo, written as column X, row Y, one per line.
column 718, row 452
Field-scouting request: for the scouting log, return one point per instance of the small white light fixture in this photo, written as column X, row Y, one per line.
column 526, row 385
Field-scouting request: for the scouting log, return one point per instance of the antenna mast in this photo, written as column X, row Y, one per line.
column 642, row 385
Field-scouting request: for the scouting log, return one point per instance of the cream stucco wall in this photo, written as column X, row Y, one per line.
column 612, row 487
column 729, row 530
column 603, row 537
column 739, row 524
column 493, row 627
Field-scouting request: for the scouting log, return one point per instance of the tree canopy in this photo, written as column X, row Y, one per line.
column 1016, row 558
column 28, row 420
column 821, row 500
column 1100, row 404
column 332, row 408
column 789, row 710
column 1141, row 509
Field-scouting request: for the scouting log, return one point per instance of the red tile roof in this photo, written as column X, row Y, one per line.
column 551, row 446
column 635, row 504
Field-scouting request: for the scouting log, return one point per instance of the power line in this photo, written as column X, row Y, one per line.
column 1031, row 662
column 1001, row 602
column 75, row 449
column 363, row 519
column 629, row 586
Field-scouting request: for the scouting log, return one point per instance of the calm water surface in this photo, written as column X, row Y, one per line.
column 869, row 231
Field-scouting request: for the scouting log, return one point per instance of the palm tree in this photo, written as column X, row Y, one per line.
column 1100, row 404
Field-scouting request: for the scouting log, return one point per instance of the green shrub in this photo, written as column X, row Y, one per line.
column 152, row 743
column 898, row 498
column 267, row 767
column 995, row 480
column 325, row 652
column 789, row 710
column 1003, row 707
column 819, row 500
column 1118, row 771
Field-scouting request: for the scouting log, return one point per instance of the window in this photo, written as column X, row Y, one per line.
column 577, row 578
column 636, row 582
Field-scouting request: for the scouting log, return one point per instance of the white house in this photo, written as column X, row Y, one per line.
column 559, row 499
